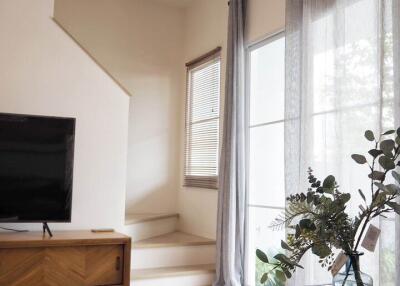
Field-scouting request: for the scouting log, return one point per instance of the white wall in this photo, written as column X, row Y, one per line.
column 43, row 71
column 206, row 28
column 140, row 43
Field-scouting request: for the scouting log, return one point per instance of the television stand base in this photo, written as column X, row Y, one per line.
column 46, row 228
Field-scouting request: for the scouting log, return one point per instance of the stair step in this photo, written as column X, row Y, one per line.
column 151, row 273
column 134, row 218
column 172, row 250
column 172, row 240
column 191, row 276
column 194, row 275
column 143, row 226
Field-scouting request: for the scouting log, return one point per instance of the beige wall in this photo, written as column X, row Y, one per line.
column 140, row 43
column 206, row 23
column 44, row 72
column 144, row 44
column 265, row 18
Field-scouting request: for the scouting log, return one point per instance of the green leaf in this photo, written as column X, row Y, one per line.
column 396, row 176
column 280, row 275
column 360, row 159
column 380, row 199
column 264, row 278
column 380, row 186
column 345, row 197
column 285, row 246
column 262, row 256
column 377, row 175
column 310, row 197
column 386, row 163
column 284, row 259
column 398, row 131
column 361, row 194
column 307, row 224
column 369, row 135
column 393, row 189
column 394, row 206
column 298, row 231
column 329, row 182
column 389, row 132
column 387, row 147
column 321, row 249
column 287, row 273
column 328, row 190
column 298, row 265
column 375, row 152
column 317, row 200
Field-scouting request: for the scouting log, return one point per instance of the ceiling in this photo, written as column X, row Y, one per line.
column 176, row 3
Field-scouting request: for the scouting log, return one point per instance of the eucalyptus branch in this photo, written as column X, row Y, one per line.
column 322, row 224
column 374, row 195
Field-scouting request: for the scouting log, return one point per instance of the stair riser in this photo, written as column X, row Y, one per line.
column 172, row 256
column 147, row 229
column 190, row 280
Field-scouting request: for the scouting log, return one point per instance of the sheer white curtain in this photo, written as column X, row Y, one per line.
column 339, row 83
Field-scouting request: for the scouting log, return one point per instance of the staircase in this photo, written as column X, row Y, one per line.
column 161, row 255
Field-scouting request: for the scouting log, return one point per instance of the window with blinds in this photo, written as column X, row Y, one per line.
column 202, row 121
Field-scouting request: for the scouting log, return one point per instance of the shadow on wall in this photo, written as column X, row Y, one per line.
column 154, row 147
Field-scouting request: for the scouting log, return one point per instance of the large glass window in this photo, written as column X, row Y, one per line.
column 342, row 105
column 266, row 150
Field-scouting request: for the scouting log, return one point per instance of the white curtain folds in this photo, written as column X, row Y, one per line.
column 341, row 79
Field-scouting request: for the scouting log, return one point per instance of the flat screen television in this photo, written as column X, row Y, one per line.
column 36, row 168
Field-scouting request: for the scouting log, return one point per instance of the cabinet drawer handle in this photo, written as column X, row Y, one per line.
column 118, row 263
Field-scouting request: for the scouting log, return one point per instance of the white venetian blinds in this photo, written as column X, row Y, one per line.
column 202, row 121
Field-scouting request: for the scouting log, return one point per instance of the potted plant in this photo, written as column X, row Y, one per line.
column 317, row 220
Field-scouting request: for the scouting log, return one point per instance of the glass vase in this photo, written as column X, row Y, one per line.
column 351, row 274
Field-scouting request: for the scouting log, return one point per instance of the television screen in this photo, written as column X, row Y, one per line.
column 36, row 168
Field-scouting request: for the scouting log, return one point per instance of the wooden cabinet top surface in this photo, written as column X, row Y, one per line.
column 61, row 238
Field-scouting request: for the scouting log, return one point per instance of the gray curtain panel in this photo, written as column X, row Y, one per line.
column 342, row 78
column 232, row 195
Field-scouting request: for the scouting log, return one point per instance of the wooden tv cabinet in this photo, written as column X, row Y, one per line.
column 69, row 258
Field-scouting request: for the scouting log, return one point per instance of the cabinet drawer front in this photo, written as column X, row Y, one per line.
column 18, row 267
column 42, row 266
column 64, row 266
column 104, row 265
